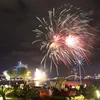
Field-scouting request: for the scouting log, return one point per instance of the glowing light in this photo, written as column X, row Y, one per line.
column 97, row 94
column 72, row 41
column 1, row 98
column 39, row 76
column 28, row 73
column 6, row 75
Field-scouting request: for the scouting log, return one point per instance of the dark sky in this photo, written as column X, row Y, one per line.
column 18, row 19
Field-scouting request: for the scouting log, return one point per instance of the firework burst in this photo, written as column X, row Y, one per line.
column 64, row 36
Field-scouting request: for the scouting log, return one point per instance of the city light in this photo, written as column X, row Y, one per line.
column 6, row 75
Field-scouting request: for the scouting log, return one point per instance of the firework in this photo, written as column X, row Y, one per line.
column 39, row 76
column 79, row 63
column 64, row 36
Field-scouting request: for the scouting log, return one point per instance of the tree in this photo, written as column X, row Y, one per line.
column 89, row 91
column 11, row 73
column 24, row 72
column 4, row 91
column 27, row 93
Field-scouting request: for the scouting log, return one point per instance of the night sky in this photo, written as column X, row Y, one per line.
column 18, row 19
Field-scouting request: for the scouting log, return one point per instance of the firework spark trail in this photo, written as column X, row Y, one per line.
column 80, row 62
column 64, row 37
